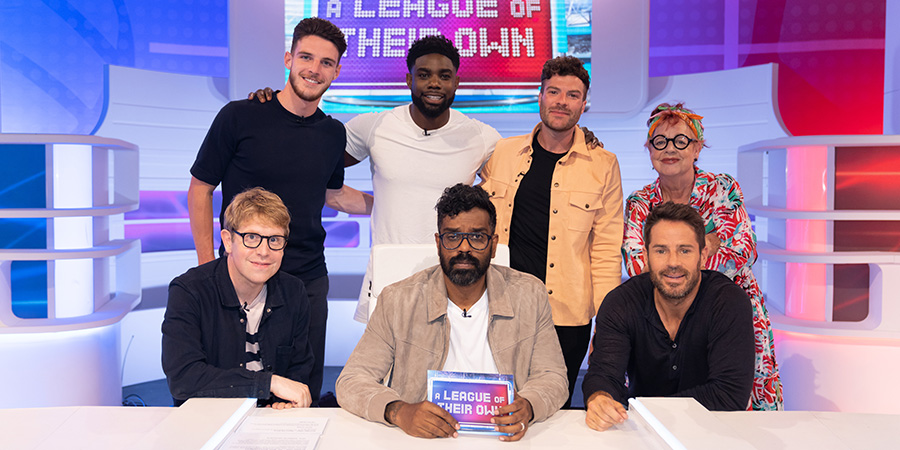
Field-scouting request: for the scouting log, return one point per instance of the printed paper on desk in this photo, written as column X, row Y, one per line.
column 471, row 398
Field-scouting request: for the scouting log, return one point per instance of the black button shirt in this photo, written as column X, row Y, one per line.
column 711, row 358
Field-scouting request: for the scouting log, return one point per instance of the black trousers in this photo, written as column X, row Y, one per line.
column 317, row 291
column 574, row 342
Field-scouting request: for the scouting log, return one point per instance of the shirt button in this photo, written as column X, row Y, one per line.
column 551, row 265
column 560, row 162
column 555, row 211
column 555, row 184
column 674, row 345
column 587, row 206
column 550, row 292
column 510, row 205
column 242, row 320
column 268, row 310
column 674, row 367
column 552, row 238
column 241, row 365
column 269, row 367
column 492, row 193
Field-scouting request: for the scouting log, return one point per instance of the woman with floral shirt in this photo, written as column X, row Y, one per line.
column 674, row 140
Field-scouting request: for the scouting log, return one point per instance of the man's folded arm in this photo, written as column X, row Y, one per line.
column 608, row 360
column 184, row 361
column 360, row 388
column 547, row 386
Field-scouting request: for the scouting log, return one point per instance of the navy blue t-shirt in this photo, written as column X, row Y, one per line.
column 253, row 144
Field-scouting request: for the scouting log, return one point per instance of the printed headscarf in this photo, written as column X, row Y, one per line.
column 689, row 117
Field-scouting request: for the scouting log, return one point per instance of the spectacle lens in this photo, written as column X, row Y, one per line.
column 252, row 240
column 452, row 241
column 680, row 142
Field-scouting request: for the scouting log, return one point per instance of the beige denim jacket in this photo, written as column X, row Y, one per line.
column 409, row 333
column 584, row 258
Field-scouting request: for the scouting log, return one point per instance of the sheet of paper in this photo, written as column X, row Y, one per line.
column 265, row 441
column 271, row 423
column 271, row 432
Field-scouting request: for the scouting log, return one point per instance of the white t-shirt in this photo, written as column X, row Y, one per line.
column 254, row 312
column 469, row 350
column 410, row 171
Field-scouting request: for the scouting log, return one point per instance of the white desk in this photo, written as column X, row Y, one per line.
column 564, row 430
column 195, row 425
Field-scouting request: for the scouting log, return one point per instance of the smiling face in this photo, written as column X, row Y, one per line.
column 671, row 162
column 313, row 65
column 561, row 100
column 463, row 266
column 674, row 259
column 250, row 268
column 432, row 83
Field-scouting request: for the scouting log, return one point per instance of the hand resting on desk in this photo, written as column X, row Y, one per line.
column 603, row 411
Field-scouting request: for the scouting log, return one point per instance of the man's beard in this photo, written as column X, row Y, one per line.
column 464, row 277
column 675, row 293
column 432, row 111
column 306, row 95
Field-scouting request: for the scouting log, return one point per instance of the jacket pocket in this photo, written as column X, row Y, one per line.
column 583, row 207
column 496, row 189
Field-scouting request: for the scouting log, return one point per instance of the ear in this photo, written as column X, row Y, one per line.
column 409, row 81
column 704, row 255
column 437, row 241
column 494, row 241
column 226, row 240
column 287, row 60
column 336, row 72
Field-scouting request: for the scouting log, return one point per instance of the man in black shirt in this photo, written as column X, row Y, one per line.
column 289, row 147
column 674, row 330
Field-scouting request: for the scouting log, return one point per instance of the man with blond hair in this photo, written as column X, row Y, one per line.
column 237, row 326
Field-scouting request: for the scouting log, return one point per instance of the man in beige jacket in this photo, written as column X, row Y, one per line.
column 464, row 315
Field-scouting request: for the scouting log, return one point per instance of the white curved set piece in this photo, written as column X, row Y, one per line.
column 72, row 356
column 813, row 199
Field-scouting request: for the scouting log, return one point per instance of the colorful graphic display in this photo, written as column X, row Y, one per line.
column 471, row 398
column 501, row 42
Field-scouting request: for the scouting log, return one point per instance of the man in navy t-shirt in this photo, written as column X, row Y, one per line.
column 290, row 147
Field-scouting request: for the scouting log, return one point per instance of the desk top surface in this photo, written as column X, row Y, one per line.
column 129, row 427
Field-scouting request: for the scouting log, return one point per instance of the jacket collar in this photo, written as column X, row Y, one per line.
column 579, row 145
column 499, row 304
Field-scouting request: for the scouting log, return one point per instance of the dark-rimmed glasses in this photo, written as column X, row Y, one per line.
column 680, row 142
column 477, row 240
column 252, row 240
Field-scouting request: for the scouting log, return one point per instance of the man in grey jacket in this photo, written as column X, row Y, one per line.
column 464, row 315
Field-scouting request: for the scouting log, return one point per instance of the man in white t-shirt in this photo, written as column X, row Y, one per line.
column 464, row 315
column 417, row 150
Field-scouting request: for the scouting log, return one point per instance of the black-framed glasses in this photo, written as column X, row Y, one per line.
column 680, row 142
column 477, row 240
column 252, row 240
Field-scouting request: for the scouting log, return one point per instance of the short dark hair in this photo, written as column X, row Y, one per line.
column 676, row 212
column 316, row 26
column 462, row 198
column 432, row 44
column 564, row 66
